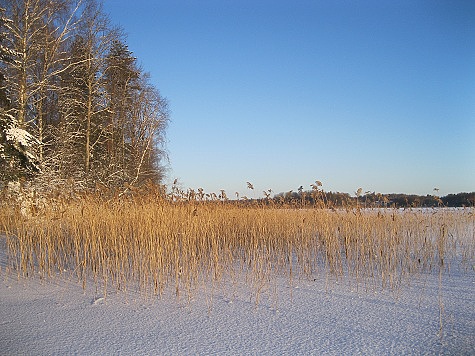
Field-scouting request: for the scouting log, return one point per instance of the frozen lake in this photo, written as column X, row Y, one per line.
column 322, row 316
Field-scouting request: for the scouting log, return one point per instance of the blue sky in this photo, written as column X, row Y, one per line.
column 371, row 94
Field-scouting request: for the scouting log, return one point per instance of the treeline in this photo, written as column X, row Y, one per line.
column 75, row 105
column 318, row 197
column 372, row 199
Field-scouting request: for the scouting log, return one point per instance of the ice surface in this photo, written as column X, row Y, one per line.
column 322, row 316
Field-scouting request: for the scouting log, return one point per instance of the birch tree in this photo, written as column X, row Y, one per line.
column 59, row 22
column 148, row 121
column 74, row 104
column 84, row 102
column 38, row 32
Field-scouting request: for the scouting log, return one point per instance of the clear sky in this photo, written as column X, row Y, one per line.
column 371, row 94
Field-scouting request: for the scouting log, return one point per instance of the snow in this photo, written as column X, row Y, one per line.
column 23, row 137
column 323, row 316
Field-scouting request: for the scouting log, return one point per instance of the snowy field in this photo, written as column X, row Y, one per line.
column 322, row 316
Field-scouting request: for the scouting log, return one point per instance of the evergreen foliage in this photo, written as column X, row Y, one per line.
column 74, row 104
column 373, row 200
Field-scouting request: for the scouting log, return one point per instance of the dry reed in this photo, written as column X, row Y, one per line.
column 153, row 244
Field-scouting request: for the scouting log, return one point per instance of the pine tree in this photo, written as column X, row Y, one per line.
column 73, row 101
column 17, row 158
column 138, row 118
column 121, row 84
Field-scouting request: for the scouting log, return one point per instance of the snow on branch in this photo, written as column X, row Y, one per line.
column 20, row 136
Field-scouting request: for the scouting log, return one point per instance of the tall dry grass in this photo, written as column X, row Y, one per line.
column 153, row 243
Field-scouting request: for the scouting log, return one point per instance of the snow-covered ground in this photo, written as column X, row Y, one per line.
column 322, row 316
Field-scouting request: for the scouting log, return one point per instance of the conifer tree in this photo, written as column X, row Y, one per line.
column 17, row 158
column 74, row 104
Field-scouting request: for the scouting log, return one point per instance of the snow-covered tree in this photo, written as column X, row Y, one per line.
column 74, row 104
column 84, row 103
column 137, row 118
column 147, row 124
column 17, row 146
column 58, row 23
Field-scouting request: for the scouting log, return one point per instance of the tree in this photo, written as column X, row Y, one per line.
column 17, row 156
column 138, row 117
column 123, row 88
column 145, row 133
column 74, row 102
column 58, row 23
column 69, row 146
column 36, row 31
column 84, row 104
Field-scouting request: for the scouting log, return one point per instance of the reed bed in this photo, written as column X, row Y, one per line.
column 158, row 244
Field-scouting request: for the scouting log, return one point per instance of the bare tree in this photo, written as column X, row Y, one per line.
column 78, row 103
column 147, row 124
column 37, row 32
column 84, row 103
column 59, row 21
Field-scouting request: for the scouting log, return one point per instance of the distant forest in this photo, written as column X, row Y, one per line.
column 76, row 108
column 372, row 199
column 319, row 198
